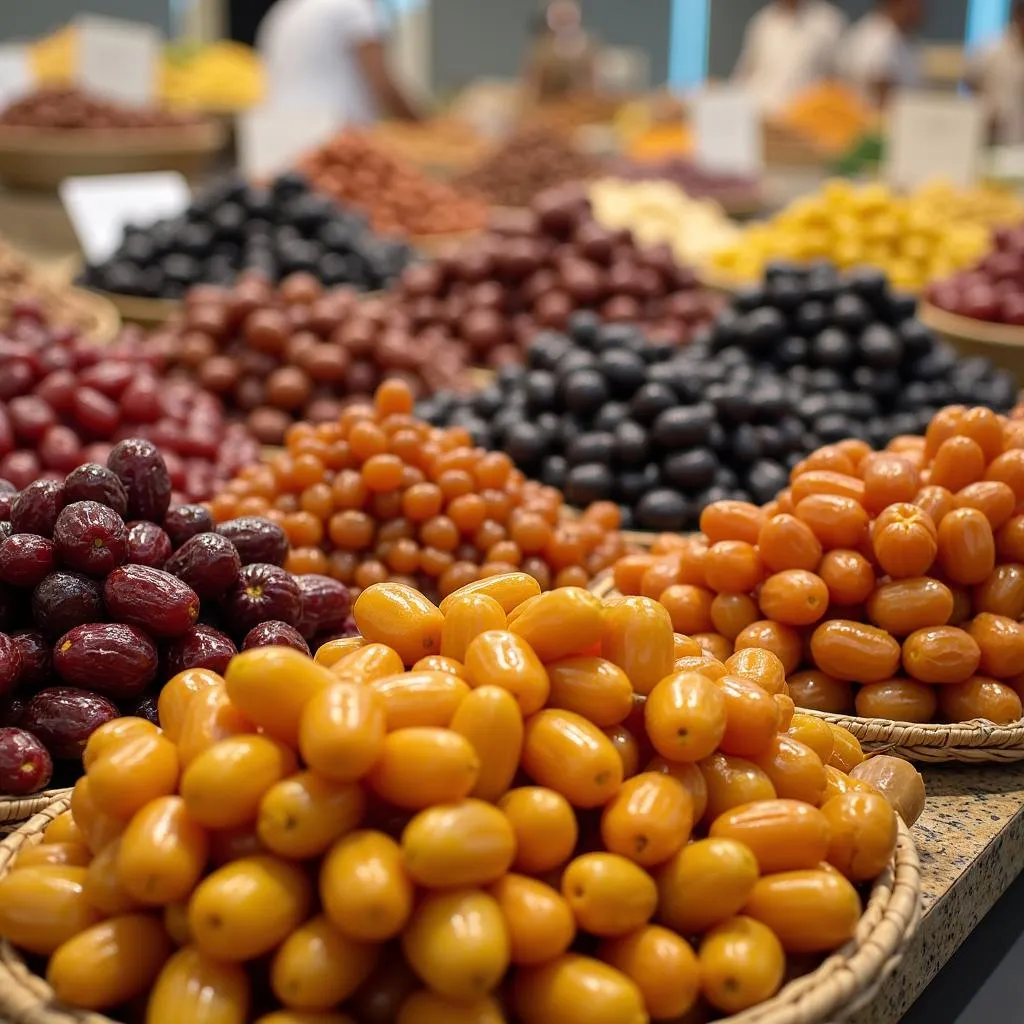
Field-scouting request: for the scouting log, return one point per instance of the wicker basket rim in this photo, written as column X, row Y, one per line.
column 18, row 808
column 847, row 979
column 202, row 136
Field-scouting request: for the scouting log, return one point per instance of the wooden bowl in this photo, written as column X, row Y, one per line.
column 1002, row 343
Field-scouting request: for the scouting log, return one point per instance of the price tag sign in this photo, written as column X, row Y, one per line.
column 727, row 130
column 118, row 59
column 271, row 139
column 16, row 78
column 931, row 135
column 100, row 207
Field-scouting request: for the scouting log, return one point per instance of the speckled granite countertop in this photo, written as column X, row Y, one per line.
column 970, row 839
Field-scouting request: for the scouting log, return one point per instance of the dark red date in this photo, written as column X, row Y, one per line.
column 26, row 559
column 326, row 603
column 141, row 469
column 275, row 634
column 148, row 544
column 90, row 537
column 93, row 482
column 112, row 658
column 207, row 562
column 36, row 508
column 257, row 540
column 151, row 599
column 65, row 600
column 201, row 647
column 261, row 593
column 10, row 664
column 185, row 521
column 25, row 764
column 64, row 717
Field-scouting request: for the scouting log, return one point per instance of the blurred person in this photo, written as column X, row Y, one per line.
column 879, row 53
column 331, row 53
column 996, row 74
column 562, row 56
column 788, row 45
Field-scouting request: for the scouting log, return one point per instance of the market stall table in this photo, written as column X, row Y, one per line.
column 970, row 839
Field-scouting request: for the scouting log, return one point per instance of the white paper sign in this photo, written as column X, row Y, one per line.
column 933, row 135
column 16, row 78
column 622, row 70
column 727, row 130
column 100, row 207
column 271, row 139
column 118, row 59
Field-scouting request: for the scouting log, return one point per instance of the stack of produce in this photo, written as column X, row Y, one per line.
column 441, row 142
column 830, row 115
column 382, row 495
column 24, row 291
column 64, row 401
column 914, row 239
column 73, row 110
column 731, row 190
column 402, row 873
column 222, row 75
column 525, row 165
column 660, row 142
column 892, row 579
column 808, row 358
column 232, row 226
column 216, row 76
column 564, row 116
column 994, row 206
column 534, row 267
column 299, row 351
column 398, row 198
column 993, row 289
column 106, row 592
column 657, row 211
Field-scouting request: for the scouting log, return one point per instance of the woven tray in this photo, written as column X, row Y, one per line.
column 40, row 159
column 975, row 742
column 1002, row 343
column 844, row 982
column 105, row 314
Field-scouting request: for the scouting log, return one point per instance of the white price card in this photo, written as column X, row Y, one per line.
column 727, row 130
column 118, row 59
column 16, row 77
column 933, row 136
column 272, row 138
column 101, row 206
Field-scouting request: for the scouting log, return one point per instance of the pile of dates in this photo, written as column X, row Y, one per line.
column 106, row 592
column 65, row 401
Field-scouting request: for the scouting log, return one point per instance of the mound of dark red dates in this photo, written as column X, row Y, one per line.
column 231, row 226
column 536, row 266
column 65, row 401
column 805, row 359
column 296, row 351
column 993, row 289
column 106, row 592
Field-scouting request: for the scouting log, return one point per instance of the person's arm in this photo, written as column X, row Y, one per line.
column 746, row 60
column 391, row 97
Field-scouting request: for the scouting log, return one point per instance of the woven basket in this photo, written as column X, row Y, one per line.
column 16, row 809
column 40, row 159
column 843, row 983
column 134, row 309
column 975, row 742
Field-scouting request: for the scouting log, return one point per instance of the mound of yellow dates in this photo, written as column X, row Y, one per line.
column 915, row 239
column 517, row 805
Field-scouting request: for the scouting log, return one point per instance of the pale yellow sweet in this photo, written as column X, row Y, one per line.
column 914, row 238
column 659, row 212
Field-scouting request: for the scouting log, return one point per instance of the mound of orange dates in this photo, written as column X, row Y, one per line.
column 895, row 578
column 381, row 495
column 468, row 813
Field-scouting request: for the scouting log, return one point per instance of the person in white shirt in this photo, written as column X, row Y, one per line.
column 879, row 54
column 996, row 74
column 788, row 45
column 330, row 54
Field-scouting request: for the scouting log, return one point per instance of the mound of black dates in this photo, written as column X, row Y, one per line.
column 804, row 359
column 106, row 592
column 233, row 226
